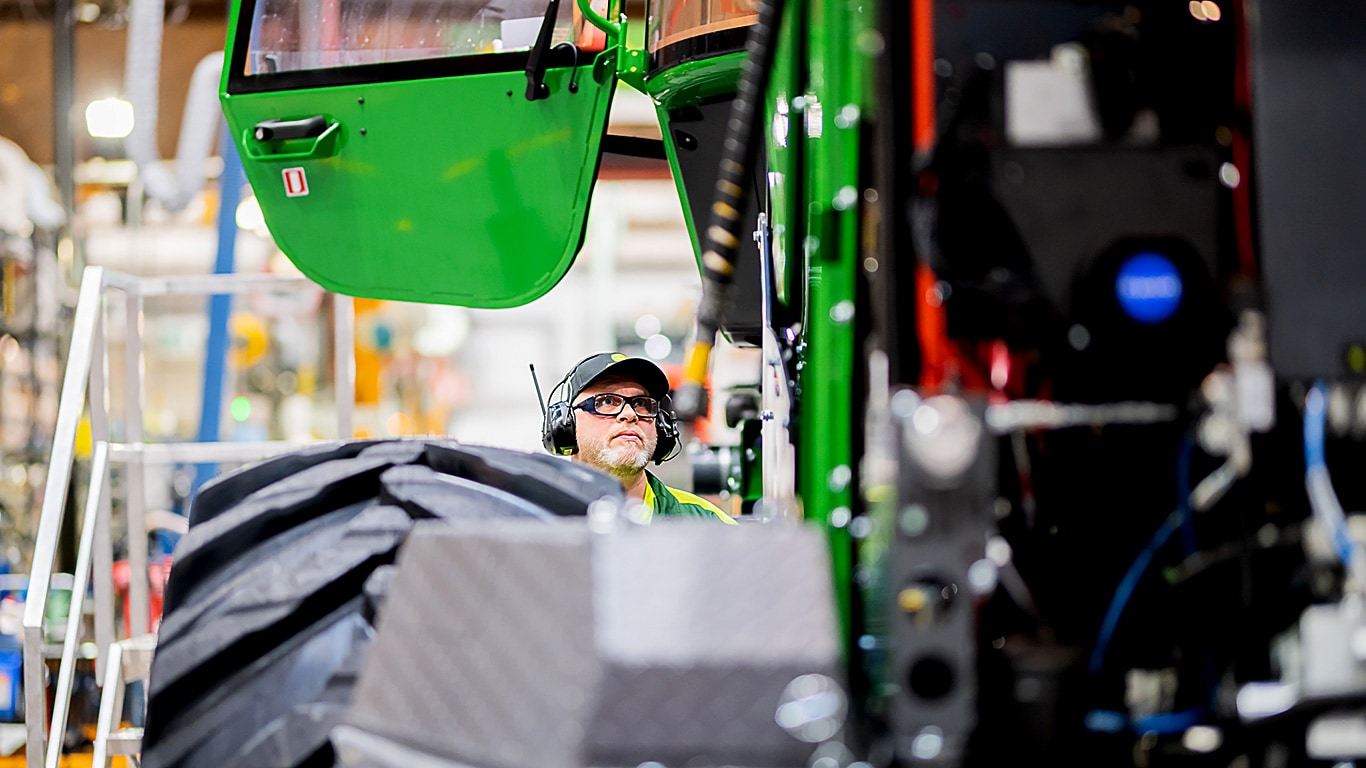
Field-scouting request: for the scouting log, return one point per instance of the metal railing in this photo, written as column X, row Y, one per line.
column 85, row 381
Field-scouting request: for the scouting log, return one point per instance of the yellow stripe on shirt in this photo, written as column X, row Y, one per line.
column 688, row 498
column 649, row 504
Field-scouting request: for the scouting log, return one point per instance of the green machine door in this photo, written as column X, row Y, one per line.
column 422, row 150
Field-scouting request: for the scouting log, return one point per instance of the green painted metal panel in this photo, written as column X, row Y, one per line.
column 831, row 249
column 697, row 80
column 453, row 189
column 783, row 142
column 683, row 85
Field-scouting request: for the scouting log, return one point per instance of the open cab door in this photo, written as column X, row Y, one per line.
column 423, row 150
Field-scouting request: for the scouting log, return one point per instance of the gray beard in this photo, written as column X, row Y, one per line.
column 623, row 462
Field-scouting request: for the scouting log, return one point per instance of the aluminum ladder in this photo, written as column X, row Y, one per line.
column 120, row 661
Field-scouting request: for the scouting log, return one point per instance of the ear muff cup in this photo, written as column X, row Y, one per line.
column 558, row 432
column 667, row 428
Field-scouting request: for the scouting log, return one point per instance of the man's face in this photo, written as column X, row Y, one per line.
column 621, row 444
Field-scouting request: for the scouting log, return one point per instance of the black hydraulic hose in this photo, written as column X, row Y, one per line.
column 722, row 237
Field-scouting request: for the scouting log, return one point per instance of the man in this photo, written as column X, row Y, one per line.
column 615, row 409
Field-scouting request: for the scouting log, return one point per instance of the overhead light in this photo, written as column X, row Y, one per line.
column 109, row 118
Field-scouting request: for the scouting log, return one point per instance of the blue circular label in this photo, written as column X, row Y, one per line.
column 1148, row 288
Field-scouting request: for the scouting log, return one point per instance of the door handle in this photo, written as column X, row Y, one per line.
column 272, row 139
column 280, row 130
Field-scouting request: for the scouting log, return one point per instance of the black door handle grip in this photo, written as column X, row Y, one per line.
column 279, row 130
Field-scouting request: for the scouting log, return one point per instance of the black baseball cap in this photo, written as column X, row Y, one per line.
column 637, row 369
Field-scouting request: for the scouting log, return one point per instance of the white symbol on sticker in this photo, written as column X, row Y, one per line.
column 296, row 183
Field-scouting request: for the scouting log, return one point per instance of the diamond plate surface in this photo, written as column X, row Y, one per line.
column 717, row 714
column 510, row 645
column 701, row 629
column 689, row 592
column 356, row 748
column 486, row 645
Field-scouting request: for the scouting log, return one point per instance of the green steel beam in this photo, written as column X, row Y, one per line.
column 833, row 102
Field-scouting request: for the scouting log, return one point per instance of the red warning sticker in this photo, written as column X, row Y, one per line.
column 296, row 183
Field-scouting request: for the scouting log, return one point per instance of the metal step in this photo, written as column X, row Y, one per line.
column 125, row 741
column 129, row 660
column 137, row 657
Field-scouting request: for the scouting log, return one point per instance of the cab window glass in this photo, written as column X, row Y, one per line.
column 293, row 35
column 673, row 21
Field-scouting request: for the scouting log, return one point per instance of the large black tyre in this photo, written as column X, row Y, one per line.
column 270, row 605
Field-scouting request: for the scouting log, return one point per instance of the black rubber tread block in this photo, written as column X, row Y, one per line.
column 274, row 509
column 282, row 597
column 298, row 671
column 296, row 740
column 425, row 493
column 376, row 590
column 299, row 738
column 288, row 549
column 564, row 488
column 225, row 490
column 402, row 451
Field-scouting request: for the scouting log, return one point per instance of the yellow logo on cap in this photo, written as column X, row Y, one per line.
column 618, row 357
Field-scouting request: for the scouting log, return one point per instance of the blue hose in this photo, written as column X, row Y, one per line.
column 1183, row 495
column 1180, row 518
column 1110, row 721
column 1322, row 502
column 1127, row 586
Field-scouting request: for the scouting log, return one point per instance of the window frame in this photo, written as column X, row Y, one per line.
column 238, row 82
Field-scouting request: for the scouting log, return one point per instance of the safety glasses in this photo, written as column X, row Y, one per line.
column 611, row 404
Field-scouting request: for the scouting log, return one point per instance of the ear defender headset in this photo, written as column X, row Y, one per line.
column 559, row 432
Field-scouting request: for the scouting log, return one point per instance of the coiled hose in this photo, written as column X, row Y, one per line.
column 722, row 237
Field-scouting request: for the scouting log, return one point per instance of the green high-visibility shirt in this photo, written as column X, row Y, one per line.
column 671, row 502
